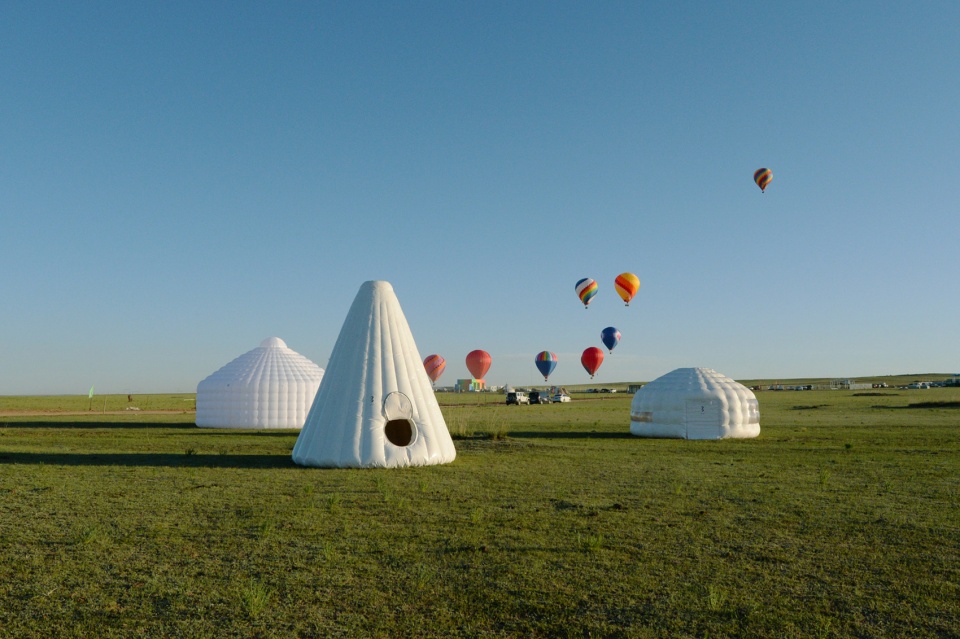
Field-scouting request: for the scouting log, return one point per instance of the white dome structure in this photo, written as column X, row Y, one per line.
column 376, row 407
column 271, row 386
column 695, row 403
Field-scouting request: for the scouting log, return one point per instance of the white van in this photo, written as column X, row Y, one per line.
column 516, row 397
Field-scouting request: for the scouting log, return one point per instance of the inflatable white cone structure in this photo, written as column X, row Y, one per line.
column 271, row 386
column 376, row 407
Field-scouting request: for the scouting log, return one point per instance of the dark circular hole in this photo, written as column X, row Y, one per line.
column 399, row 432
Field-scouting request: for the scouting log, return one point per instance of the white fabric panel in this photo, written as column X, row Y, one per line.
column 271, row 386
column 374, row 355
column 660, row 408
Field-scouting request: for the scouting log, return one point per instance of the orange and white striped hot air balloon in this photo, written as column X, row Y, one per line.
column 435, row 366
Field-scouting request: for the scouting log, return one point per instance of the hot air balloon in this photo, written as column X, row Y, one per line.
column 610, row 337
column 586, row 289
column 627, row 285
column 763, row 177
column 478, row 363
column 435, row 366
column 591, row 360
column 546, row 362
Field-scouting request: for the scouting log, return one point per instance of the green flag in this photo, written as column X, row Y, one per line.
column 90, row 394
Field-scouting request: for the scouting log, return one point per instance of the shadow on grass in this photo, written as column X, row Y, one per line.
column 170, row 460
column 569, row 435
column 923, row 405
column 152, row 425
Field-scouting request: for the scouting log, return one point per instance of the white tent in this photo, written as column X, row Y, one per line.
column 376, row 407
column 695, row 403
column 271, row 386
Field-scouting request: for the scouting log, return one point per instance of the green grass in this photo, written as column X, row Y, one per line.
column 98, row 403
column 840, row 520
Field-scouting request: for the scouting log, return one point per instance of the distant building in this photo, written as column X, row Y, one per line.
column 470, row 385
column 848, row 384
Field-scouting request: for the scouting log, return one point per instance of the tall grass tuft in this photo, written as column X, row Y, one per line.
column 254, row 598
column 89, row 535
column 495, row 428
column 333, row 503
column 715, row 598
column 325, row 551
column 589, row 543
column 824, row 477
column 266, row 528
column 457, row 425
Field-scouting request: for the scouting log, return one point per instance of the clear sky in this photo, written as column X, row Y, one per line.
column 180, row 180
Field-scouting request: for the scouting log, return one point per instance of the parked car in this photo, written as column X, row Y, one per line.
column 516, row 397
column 560, row 397
column 536, row 397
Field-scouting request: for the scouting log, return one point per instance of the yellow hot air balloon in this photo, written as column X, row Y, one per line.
column 627, row 285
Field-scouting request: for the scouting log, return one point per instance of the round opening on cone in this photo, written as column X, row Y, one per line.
column 400, row 432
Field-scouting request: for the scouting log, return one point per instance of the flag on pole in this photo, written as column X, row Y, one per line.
column 90, row 394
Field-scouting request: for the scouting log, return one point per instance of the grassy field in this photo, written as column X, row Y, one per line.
column 840, row 520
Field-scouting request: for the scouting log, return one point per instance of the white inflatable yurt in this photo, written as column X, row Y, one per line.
column 271, row 386
column 376, row 407
column 695, row 403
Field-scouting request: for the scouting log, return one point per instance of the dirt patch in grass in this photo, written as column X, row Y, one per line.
column 808, row 406
column 875, row 394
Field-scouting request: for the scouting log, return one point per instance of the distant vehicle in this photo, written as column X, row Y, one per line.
column 536, row 397
column 917, row 385
column 516, row 397
column 560, row 398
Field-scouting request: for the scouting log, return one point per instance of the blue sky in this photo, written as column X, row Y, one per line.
column 181, row 180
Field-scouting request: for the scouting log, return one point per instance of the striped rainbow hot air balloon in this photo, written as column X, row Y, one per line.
column 586, row 290
column 627, row 285
column 762, row 177
column 546, row 362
